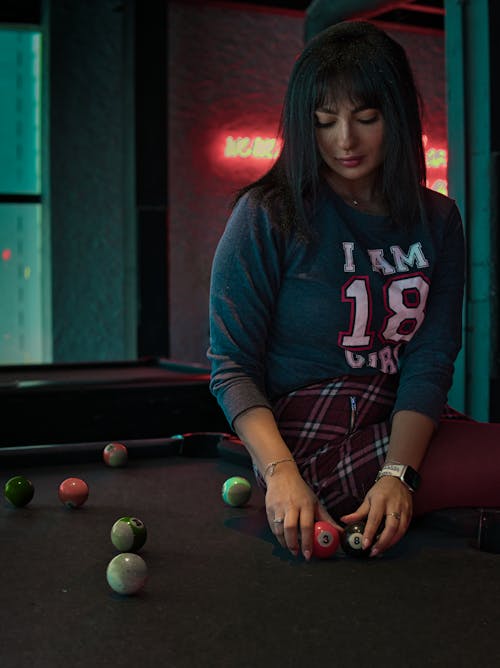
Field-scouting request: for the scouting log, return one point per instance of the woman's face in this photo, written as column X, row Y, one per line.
column 351, row 141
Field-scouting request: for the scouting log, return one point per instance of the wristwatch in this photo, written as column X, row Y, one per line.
column 406, row 474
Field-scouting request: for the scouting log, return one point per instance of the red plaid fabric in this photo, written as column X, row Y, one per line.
column 338, row 433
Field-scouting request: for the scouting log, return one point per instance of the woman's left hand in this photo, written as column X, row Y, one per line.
column 387, row 500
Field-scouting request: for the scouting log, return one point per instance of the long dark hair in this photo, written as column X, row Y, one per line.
column 358, row 61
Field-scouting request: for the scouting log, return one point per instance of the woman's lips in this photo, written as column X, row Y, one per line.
column 352, row 161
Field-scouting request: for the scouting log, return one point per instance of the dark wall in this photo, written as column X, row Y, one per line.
column 228, row 69
column 87, row 45
column 494, row 19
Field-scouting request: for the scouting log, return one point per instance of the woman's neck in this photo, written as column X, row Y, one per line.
column 365, row 196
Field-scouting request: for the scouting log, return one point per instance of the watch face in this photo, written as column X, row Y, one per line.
column 408, row 475
column 411, row 478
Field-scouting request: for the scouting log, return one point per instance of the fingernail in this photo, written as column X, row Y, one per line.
column 307, row 554
column 366, row 543
column 374, row 552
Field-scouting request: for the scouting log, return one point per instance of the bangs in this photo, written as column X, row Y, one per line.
column 338, row 83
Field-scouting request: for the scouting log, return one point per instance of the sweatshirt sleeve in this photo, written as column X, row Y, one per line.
column 245, row 281
column 426, row 366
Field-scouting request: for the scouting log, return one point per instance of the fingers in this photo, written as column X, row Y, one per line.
column 387, row 512
column 291, row 508
column 284, row 525
column 388, row 519
column 294, row 531
column 394, row 528
column 359, row 514
column 307, row 532
column 277, row 525
column 291, row 532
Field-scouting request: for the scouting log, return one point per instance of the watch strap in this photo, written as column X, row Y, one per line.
column 405, row 473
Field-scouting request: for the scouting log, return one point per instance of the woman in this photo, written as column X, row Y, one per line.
column 335, row 308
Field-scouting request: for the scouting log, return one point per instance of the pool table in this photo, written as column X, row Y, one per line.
column 221, row 592
column 90, row 401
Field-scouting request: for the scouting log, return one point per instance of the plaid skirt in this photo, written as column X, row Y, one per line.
column 338, row 432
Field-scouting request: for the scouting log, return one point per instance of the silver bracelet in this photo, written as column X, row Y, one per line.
column 272, row 466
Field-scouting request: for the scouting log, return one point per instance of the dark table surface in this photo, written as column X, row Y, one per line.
column 220, row 591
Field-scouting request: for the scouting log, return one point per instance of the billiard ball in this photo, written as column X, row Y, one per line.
column 128, row 534
column 236, row 491
column 326, row 539
column 352, row 540
column 115, row 455
column 19, row 491
column 73, row 492
column 127, row 573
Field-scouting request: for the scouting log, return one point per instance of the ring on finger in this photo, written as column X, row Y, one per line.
column 397, row 516
column 279, row 520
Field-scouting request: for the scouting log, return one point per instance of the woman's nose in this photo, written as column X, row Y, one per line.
column 346, row 137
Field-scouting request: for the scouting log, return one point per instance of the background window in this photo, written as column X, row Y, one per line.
column 21, row 266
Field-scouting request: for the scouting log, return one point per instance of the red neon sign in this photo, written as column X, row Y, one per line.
column 261, row 148
column 247, row 147
column 436, row 160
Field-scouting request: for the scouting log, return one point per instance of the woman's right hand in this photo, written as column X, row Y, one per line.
column 288, row 498
column 292, row 509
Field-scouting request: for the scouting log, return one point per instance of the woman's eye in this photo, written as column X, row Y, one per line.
column 367, row 121
column 323, row 124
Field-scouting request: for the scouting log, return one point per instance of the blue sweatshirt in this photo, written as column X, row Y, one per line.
column 362, row 297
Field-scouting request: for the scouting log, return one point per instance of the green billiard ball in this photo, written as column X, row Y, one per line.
column 128, row 534
column 115, row 455
column 236, row 491
column 19, row 491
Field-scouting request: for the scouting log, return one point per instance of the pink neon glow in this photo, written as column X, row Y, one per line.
column 245, row 148
column 6, row 254
column 260, row 148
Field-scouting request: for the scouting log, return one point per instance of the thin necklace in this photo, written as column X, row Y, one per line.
column 366, row 208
